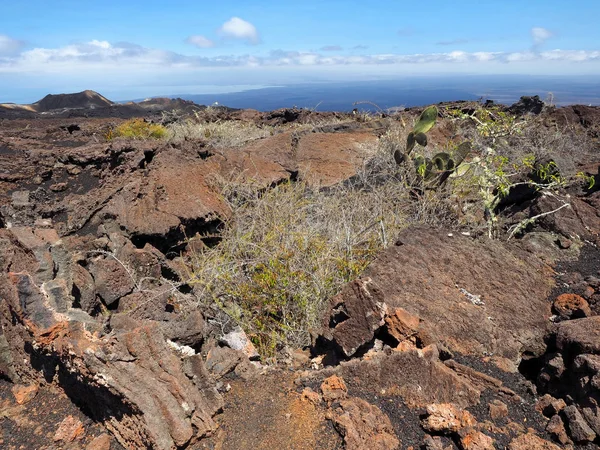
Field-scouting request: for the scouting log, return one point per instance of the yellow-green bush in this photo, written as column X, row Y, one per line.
column 137, row 129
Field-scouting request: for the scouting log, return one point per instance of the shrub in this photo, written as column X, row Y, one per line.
column 137, row 129
column 286, row 251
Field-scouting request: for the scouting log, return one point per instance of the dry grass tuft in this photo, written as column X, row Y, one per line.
column 218, row 134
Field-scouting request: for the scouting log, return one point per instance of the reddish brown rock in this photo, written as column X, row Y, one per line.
column 252, row 166
column 434, row 277
column 84, row 289
column 24, row 394
column 579, row 221
column 472, row 439
column 364, row 427
column 325, row 159
column 311, row 396
column 424, row 380
column 59, row 187
column 101, row 442
column 498, row 410
column 579, row 336
column 69, row 430
column 579, row 430
column 279, row 149
column 175, row 191
column 550, row 406
column 530, row 441
column 556, row 428
column 402, row 325
column 571, row 306
column 111, row 278
column 446, row 418
column 334, row 389
column 222, row 360
column 356, row 313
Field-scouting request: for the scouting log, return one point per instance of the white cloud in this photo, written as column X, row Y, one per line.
column 9, row 46
column 200, row 41
column 540, row 35
column 237, row 28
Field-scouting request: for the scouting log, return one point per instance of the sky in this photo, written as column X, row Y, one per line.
column 142, row 48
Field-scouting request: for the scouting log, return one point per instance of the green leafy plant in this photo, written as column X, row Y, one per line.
column 434, row 171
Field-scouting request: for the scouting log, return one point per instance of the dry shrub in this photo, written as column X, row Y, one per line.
column 289, row 249
column 218, row 134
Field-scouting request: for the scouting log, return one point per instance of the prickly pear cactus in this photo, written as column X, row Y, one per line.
column 425, row 123
column 437, row 169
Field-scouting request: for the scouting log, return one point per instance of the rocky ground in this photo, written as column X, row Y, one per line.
column 448, row 339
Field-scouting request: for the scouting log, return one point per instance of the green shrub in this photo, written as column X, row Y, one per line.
column 137, row 129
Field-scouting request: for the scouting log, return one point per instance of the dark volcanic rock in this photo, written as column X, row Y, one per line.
column 527, row 105
column 579, row 430
column 579, row 336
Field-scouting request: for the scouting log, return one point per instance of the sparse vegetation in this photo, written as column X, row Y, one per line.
column 137, row 129
column 218, row 134
column 285, row 251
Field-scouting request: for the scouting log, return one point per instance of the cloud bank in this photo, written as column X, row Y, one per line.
column 102, row 53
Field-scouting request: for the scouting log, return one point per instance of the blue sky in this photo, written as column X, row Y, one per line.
column 141, row 48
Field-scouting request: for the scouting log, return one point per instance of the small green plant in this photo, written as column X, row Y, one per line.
column 496, row 178
column 137, row 129
column 434, row 171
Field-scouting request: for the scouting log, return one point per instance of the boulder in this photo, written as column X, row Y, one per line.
column 579, row 336
column 325, row 159
column 527, row 105
column 174, row 191
column 364, row 426
column 571, row 306
column 579, row 430
column 457, row 287
column 111, row 278
column 556, row 428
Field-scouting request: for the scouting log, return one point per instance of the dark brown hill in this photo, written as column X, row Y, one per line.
column 85, row 99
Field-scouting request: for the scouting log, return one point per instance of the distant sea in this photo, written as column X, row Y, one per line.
column 407, row 92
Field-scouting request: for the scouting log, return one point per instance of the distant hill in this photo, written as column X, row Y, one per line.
column 51, row 102
column 91, row 104
column 85, row 99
